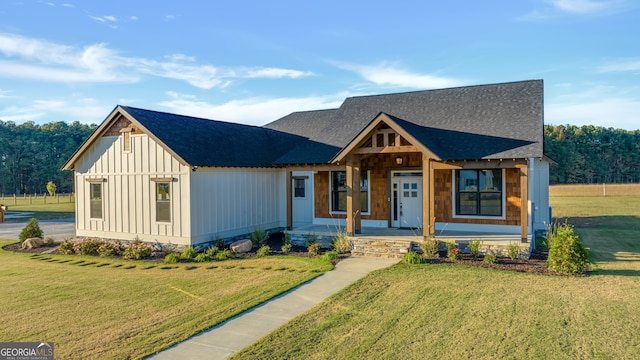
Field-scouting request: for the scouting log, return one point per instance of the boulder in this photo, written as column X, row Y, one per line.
column 32, row 243
column 241, row 246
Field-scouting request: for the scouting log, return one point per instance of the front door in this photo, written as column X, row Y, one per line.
column 406, row 201
column 302, row 198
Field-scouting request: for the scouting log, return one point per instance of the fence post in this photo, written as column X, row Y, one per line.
column 44, row 197
column 15, row 199
column 30, row 199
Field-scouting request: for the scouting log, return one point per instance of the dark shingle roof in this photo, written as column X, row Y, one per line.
column 485, row 121
column 202, row 142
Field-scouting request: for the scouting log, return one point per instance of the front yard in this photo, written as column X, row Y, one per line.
column 457, row 312
column 115, row 309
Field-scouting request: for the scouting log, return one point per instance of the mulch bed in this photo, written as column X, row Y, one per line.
column 537, row 264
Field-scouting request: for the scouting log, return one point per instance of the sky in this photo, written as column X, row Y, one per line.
column 253, row 62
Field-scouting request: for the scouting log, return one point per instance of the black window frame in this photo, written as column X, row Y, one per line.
column 475, row 189
column 338, row 197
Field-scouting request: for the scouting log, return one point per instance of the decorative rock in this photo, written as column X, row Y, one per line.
column 241, row 246
column 32, row 243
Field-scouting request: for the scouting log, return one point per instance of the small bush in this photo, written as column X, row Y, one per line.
column 341, row 243
column 212, row 251
column 32, row 229
column 110, row 249
column 313, row 248
column 513, row 250
column 263, row 251
column 429, row 247
column 454, row 254
column 188, row 252
column 312, row 239
column 490, row 258
column 202, row 257
column 172, row 258
column 566, row 252
column 331, row 255
column 66, row 247
column 88, row 246
column 474, row 247
column 224, row 254
column 137, row 250
column 286, row 238
column 412, row 258
column 258, row 237
column 286, row 248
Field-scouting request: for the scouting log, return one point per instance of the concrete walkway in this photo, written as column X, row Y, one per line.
column 227, row 338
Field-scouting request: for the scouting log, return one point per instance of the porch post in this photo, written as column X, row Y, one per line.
column 289, row 200
column 524, row 201
column 353, row 195
column 427, row 197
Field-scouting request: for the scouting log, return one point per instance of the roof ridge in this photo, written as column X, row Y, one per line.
column 125, row 107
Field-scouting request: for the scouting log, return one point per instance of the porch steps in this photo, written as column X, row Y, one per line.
column 380, row 248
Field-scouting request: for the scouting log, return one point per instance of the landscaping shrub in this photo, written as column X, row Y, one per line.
column 313, row 248
column 110, row 249
column 412, row 258
column 341, row 243
column 137, row 250
column 490, row 258
column 66, row 248
column 188, row 252
column 429, row 247
column 453, row 252
column 32, row 229
column 212, row 251
column 219, row 242
column 566, row 252
column 88, row 246
column 263, row 251
column 202, row 257
column 513, row 250
column 286, row 238
column 258, row 237
column 224, row 254
column 172, row 258
column 474, row 247
column 286, row 248
column 330, row 255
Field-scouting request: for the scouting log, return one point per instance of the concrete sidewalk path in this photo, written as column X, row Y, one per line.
column 227, row 338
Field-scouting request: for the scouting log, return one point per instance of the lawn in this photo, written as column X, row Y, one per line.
column 49, row 208
column 456, row 312
column 116, row 309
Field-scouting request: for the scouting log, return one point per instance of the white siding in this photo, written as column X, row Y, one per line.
column 234, row 201
column 129, row 193
column 539, row 193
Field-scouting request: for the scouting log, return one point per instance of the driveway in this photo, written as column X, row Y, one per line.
column 59, row 229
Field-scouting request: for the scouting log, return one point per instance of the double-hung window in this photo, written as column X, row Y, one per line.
column 163, row 201
column 479, row 192
column 339, row 191
column 95, row 206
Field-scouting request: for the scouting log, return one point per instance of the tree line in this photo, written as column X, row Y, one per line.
column 32, row 155
column 590, row 154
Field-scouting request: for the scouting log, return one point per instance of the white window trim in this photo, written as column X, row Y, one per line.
column 331, row 212
column 96, row 182
column 479, row 217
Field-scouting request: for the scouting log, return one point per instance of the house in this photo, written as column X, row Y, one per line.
column 466, row 160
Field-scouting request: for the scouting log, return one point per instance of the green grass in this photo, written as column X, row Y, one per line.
column 54, row 208
column 106, row 308
column 455, row 312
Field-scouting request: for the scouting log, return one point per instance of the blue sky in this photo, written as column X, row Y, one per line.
column 255, row 61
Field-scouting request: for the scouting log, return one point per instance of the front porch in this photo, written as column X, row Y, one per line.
column 392, row 242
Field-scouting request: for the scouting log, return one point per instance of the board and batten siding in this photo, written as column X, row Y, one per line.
column 228, row 202
column 128, row 192
column 540, row 215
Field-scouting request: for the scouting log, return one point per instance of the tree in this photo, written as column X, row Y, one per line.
column 51, row 188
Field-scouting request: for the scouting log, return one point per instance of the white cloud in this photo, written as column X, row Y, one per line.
column 47, row 61
column 632, row 65
column 133, row 18
column 85, row 110
column 68, row 5
column 385, row 74
column 252, row 111
column 4, row 94
column 591, row 8
column 582, row 6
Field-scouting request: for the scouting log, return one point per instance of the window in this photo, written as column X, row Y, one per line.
column 339, row 191
column 298, row 188
column 95, row 206
column 163, row 201
column 479, row 192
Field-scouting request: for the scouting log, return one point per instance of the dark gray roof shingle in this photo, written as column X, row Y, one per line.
column 202, row 142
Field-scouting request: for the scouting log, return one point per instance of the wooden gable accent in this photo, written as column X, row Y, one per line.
column 120, row 125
